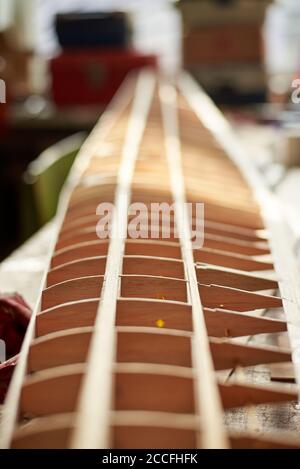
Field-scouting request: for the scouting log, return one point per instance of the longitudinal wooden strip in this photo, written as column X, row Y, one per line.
column 208, row 403
column 274, row 217
column 91, row 146
column 93, row 425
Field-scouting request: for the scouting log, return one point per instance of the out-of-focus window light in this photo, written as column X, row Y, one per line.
column 282, row 44
column 6, row 14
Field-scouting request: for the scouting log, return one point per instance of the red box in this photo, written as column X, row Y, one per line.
column 92, row 76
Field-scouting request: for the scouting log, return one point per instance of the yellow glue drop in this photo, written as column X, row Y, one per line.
column 159, row 296
column 221, row 306
column 160, row 323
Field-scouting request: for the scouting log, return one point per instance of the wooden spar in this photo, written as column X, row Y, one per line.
column 95, row 400
column 124, row 345
column 207, row 398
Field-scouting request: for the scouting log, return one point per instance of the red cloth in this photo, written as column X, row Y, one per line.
column 6, row 371
column 14, row 319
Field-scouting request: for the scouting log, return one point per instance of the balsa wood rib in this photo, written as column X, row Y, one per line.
column 135, row 340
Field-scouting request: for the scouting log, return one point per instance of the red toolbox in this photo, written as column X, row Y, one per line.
column 92, row 76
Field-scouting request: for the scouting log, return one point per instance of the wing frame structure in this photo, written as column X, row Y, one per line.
column 135, row 341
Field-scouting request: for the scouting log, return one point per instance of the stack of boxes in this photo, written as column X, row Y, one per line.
column 222, row 47
column 96, row 57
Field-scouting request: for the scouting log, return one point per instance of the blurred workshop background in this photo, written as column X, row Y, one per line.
column 62, row 61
